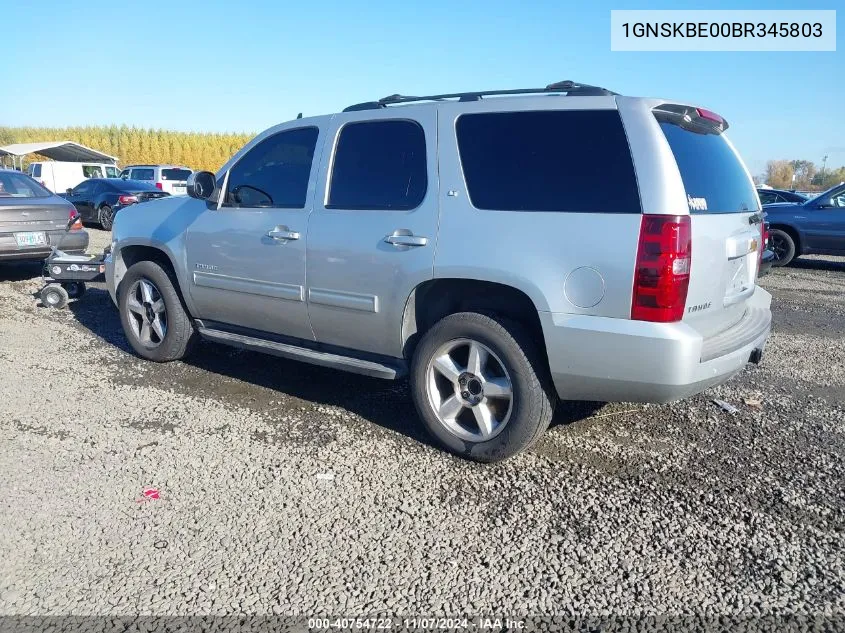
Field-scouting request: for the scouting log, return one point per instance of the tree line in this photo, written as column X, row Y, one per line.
column 807, row 176
column 208, row 150
column 131, row 145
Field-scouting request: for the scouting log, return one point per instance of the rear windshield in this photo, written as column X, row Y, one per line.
column 175, row 174
column 548, row 160
column 713, row 175
column 16, row 185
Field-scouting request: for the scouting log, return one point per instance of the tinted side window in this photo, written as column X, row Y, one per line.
column 767, row 197
column 82, row 188
column 36, row 171
column 379, row 165
column 557, row 160
column 275, row 172
column 715, row 179
column 143, row 174
column 92, row 171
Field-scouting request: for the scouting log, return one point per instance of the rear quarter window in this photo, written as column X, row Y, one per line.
column 574, row 161
column 714, row 177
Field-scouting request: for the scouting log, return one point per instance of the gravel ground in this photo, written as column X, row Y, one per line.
column 291, row 489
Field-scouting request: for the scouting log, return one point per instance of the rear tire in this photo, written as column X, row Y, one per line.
column 54, row 296
column 154, row 319
column 485, row 410
column 105, row 216
column 783, row 246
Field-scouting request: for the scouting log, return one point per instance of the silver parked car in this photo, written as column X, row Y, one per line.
column 504, row 248
column 33, row 219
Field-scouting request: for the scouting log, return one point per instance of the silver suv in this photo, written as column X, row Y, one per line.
column 504, row 248
column 170, row 178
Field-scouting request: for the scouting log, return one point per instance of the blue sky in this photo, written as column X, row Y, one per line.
column 243, row 66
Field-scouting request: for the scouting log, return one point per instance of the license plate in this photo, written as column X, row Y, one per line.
column 35, row 238
column 179, row 188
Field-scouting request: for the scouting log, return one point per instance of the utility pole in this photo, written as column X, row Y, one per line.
column 824, row 162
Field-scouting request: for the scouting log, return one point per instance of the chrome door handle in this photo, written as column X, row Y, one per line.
column 406, row 240
column 283, row 234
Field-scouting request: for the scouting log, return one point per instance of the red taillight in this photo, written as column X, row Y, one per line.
column 710, row 116
column 764, row 239
column 127, row 199
column 159, row 186
column 73, row 213
column 661, row 277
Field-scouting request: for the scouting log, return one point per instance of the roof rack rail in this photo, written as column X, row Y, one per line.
column 571, row 88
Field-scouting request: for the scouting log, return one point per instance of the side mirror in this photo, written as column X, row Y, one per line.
column 68, row 191
column 824, row 203
column 201, row 185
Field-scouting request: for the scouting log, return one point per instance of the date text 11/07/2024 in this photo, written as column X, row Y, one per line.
column 416, row 624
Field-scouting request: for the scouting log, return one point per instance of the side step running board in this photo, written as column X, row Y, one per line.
column 324, row 359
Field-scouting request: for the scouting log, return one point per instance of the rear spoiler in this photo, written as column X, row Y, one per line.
column 691, row 118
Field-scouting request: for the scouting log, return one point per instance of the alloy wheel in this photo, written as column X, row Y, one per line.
column 147, row 313
column 778, row 245
column 469, row 390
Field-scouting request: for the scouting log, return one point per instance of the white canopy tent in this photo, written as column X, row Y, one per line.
column 56, row 150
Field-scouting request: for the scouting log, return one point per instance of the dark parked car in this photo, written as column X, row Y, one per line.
column 32, row 219
column 816, row 226
column 99, row 199
column 770, row 196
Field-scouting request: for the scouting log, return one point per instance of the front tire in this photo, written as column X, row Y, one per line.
column 154, row 319
column 105, row 216
column 481, row 386
column 783, row 246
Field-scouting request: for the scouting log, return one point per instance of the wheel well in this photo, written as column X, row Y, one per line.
column 130, row 255
column 134, row 254
column 435, row 299
column 792, row 233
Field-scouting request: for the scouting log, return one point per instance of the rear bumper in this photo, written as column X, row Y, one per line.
column 619, row 360
column 73, row 242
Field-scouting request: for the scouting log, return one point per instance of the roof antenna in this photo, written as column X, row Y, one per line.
column 299, row 116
